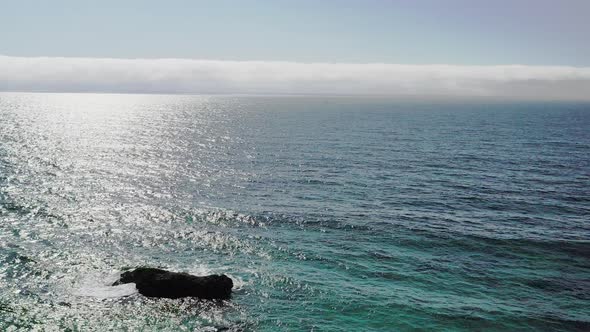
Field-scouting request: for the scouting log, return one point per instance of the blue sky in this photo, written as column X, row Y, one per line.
column 531, row 49
column 459, row 32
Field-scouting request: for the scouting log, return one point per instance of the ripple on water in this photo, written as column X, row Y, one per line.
column 328, row 213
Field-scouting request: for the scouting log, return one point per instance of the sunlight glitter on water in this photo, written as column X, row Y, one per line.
column 326, row 212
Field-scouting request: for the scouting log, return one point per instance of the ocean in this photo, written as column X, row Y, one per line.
column 329, row 213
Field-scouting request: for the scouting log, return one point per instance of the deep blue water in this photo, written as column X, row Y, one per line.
column 330, row 214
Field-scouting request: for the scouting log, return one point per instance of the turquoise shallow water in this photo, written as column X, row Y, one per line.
column 330, row 214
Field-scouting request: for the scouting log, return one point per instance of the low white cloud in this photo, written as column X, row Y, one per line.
column 276, row 77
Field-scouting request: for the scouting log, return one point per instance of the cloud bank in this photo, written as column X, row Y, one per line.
column 59, row 74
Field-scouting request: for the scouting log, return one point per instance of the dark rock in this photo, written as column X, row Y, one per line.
column 153, row 282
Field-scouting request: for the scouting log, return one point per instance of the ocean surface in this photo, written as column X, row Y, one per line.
column 329, row 213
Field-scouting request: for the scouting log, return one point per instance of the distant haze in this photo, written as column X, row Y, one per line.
column 60, row 74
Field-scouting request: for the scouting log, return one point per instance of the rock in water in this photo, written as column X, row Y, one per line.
column 161, row 283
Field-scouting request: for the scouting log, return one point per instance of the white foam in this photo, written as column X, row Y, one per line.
column 99, row 286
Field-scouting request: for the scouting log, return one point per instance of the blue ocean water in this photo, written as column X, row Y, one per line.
column 330, row 213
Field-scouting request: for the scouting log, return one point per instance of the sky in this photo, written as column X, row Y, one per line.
column 517, row 47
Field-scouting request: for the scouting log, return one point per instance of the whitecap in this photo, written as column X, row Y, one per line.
column 100, row 286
